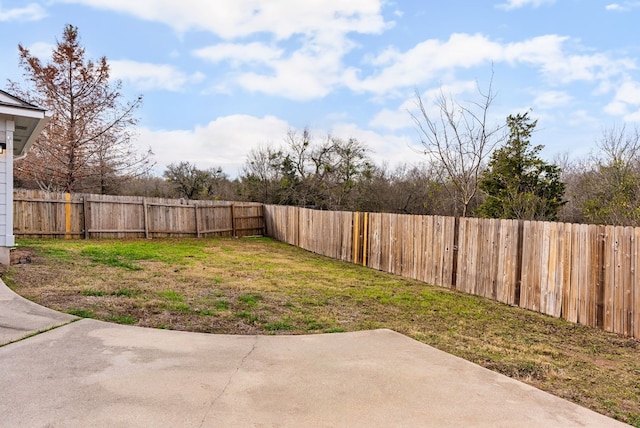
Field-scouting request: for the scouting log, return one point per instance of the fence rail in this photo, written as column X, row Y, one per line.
column 39, row 214
column 587, row 274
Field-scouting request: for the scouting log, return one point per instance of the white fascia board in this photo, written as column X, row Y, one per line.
column 21, row 111
column 36, row 132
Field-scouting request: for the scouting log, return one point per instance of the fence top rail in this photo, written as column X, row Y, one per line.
column 55, row 201
column 24, row 195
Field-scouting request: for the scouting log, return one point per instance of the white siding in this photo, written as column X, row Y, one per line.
column 6, row 184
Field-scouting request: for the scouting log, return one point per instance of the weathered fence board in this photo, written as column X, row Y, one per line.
column 38, row 213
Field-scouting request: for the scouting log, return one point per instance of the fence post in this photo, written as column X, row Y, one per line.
column 365, row 236
column 67, row 215
column 454, row 264
column 298, row 211
column 195, row 207
column 145, row 218
column 356, row 235
column 86, row 217
column 233, row 221
column 600, row 286
column 519, row 261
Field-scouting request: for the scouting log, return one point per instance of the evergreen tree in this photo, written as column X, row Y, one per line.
column 517, row 183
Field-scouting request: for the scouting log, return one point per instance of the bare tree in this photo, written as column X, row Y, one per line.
column 89, row 137
column 613, row 187
column 458, row 139
column 261, row 175
column 323, row 174
column 193, row 183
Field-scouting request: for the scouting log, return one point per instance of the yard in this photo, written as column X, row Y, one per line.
column 260, row 286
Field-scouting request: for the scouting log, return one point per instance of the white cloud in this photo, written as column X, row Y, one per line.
column 388, row 149
column 42, row 50
column 320, row 28
column 582, row 119
column 433, row 59
column 146, row 76
column 626, row 102
column 239, row 54
column 306, row 74
column 624, row 7
column 392, row 119
column 425, row 61
column 310, row 72
column 633, row 117
column 30, row 12
column 517, row 4
column 614, row 6
column 223, row 142
column 552, row 99
column 231, row 19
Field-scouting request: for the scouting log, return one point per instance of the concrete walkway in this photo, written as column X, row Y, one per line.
column 90, row 373
column 20, row 317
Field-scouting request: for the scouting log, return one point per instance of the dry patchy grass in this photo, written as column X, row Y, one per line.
column 251, row 286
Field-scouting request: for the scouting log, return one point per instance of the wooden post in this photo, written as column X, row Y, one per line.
column 233, row 221
column 145, row 218
column 86, row 217
column 519, row 249
column 365, row 232
column 195, row 207
column 454, row 264
column 298, row 211
column 356, row 235
column 67, row 215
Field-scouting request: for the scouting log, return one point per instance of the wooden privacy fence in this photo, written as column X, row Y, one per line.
column 587, row 274
column 43, row 214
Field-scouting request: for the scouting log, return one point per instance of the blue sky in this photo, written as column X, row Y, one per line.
column 220, row 77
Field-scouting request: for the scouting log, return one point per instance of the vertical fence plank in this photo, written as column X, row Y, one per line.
column 461, row 274
column 581, row 267
column 504, row 263
column 548, row 278
column 85, row 217
column 618, row 300
column 145, row 217
column 374, row 241
column 627, row 284
column 609, row 277
column 635, row 268
column 418, row 230
column 527, row 247
column 594, row 267
column 427, row 251
column 408, row 256
column 472, row 259
column 197, row 219
column 447, row 262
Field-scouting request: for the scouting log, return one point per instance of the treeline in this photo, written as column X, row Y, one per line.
column 336, row 174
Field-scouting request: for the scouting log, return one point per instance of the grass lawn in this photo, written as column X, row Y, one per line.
column 256, row 285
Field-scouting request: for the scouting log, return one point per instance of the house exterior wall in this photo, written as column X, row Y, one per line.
column 7, row 239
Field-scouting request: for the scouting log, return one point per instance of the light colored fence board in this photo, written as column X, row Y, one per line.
column 586, row 274
column 635, row 267
column 487, row 258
